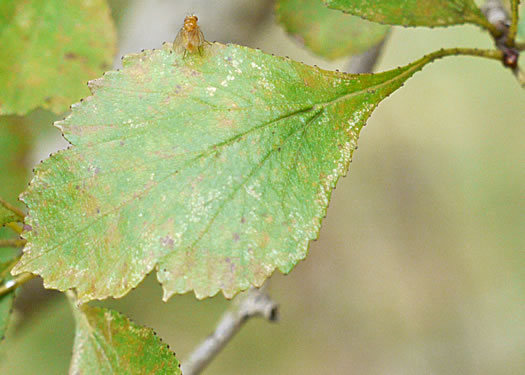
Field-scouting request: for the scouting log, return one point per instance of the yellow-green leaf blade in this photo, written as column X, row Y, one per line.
column 50, row 49
column 327, row 32
column 413, row 12
column 107, row 342
column 214, row 170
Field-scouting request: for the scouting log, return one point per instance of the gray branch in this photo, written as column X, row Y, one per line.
column 499, row 17
column 253, row 303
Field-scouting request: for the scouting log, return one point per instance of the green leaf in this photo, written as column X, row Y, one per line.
column 17, row 138
column 213, row 169
column 107, row 342
column 6, row 216
column 6, row 300
column 6, row 307
column 49, row 50
column 15, row 145
column 327, row 32
column 413, row 12
column 16, row 141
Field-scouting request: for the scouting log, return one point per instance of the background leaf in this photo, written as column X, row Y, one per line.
column 327, row 32
column 107, row 342
column 413, row 12
column 6, row 301
column 18, row 136
column 15, row 145
column 49, row 50
column 215, row 170
column 6, row 216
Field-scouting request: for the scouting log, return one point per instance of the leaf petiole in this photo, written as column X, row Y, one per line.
column 492, row 29
column 15, row 227
column 12, row 243
column 10, row 285
column 486, row 53
column 12, row 208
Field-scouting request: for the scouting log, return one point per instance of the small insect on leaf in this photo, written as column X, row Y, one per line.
column 190, row 38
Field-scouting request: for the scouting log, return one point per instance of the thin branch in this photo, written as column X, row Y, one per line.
column 514, row 17
column 254, row 303
column 520, row 76
column 13, row 209
column 12, row 243
column 12, row 284
column 508, row 24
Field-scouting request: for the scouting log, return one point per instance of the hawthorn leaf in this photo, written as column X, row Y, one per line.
column 327, row 32
column 413, row 12
column 6, row 307
column 6, row 300
column 15, row 145
column 18, row 136
column 107, row 342
column 49, row 50
column 6, row 216
column 215, row 169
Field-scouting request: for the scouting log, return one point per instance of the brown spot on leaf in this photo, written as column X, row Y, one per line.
column 227, row 123
column 167, row 242
column 232, row 264
column 264, row 240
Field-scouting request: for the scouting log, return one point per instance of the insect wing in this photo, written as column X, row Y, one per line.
column 200, row 37
column 179, row 44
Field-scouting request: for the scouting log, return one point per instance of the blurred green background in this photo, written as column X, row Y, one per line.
column 420, row 265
